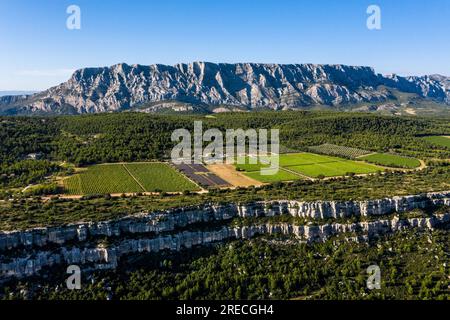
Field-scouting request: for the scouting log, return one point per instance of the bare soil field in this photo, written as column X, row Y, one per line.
column 228, row 173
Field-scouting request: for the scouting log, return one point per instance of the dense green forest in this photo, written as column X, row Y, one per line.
column 134, row 136
column 413, row 265
column 90, row 139
column 22, row 173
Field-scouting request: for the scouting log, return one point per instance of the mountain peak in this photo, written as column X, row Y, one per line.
column 247, row 85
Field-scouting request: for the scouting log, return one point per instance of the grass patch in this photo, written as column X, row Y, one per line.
column 334, row 169
column 442, row 141
column 295, row 159
column 280, row 176
column 392, row 160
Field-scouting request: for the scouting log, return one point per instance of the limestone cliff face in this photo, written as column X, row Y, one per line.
column 25, row 253
column 249, row 85
column 166, row 221
column 107, row 257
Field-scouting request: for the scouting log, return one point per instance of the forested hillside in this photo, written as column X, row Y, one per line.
column 271, row 268
column 38, row 151
column 85, row 140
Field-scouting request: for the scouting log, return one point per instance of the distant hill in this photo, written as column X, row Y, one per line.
column 16, row 93
column 246, row 86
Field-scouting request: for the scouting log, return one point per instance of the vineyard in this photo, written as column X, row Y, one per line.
column 111, row 178
column 72, row 185
column 128, row 178
column 160, row 176
column 340, row 151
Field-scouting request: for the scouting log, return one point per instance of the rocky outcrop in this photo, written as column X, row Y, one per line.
column 24, row 253
column 170, row 220
column 107, row 257
column 249, row 85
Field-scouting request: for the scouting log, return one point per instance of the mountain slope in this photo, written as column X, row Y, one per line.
column 249, row 85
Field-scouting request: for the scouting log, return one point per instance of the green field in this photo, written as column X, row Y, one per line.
column 296, row 159
column 442, row 141
column 128, row 178
column 392, row 160
column 286, row 160
column 334, row 169
column 280, row 176
column 311, row 165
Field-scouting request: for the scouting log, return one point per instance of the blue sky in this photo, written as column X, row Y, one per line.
column 38, row 51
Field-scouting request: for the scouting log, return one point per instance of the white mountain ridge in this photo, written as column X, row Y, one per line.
column 247, row 85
